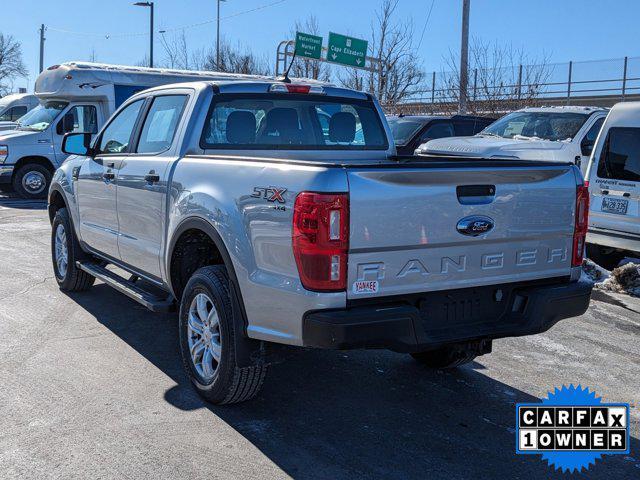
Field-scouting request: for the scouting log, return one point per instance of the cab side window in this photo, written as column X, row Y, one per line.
column 437, row 130
column 80, row 118
column 620, row 158
column 161, row 123
column 116, row 137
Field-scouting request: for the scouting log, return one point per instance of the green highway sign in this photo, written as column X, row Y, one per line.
column 309, row 46
column 346, row 50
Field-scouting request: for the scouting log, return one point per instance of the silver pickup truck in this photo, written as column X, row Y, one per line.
column 273, row 213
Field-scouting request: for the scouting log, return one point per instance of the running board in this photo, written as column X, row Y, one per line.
column 129, row 288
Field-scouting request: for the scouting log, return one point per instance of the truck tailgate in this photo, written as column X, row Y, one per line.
column 417, row 229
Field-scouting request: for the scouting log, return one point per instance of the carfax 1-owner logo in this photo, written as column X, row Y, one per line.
column 572, row 428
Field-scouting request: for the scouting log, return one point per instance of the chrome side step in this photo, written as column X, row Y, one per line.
column 132, row 290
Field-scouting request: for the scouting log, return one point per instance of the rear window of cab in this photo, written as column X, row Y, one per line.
column 292, row 122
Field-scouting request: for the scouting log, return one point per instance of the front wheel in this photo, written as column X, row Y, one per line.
column 32, row 181
column 65, row 251
column 207, row 340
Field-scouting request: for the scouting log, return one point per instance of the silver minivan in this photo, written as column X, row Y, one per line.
column 614, row 185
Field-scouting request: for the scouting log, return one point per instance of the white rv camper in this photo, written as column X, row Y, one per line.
column 14, row 106
column 75, row 97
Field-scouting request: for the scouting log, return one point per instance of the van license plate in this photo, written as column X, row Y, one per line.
column 615, row 205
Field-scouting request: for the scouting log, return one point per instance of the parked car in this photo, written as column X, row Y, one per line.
column 565, row 134
column 74, row 97
column 14, row 106
column 228, row 201
column 411, row 131
column 614, row 185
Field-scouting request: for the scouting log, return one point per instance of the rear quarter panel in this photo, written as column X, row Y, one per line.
column 256, row 233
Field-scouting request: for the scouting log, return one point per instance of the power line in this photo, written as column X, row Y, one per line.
column 165, row 30
column 425, row 24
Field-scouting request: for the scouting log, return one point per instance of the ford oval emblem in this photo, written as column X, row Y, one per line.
column 474, row 225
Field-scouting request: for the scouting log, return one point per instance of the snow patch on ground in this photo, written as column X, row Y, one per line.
column 623, row 279
column 593, row 272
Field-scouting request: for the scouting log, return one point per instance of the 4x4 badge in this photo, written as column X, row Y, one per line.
column 270, row 194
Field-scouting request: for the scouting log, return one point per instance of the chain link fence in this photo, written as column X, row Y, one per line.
column 591, row 82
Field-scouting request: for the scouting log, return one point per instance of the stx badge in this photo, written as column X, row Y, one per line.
column 270, row 194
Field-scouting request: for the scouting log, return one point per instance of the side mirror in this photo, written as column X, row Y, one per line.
column 586, row 147
column 77, row 144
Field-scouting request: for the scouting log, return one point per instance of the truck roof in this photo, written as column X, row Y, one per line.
column 261, row 85
column 12, row 97
column 565, row 109
column 624, row 114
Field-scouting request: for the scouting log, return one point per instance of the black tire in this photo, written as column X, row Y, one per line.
column 6, row 188
column 32, row 181
column 72, row 279
column 230, row 383
column 449, row 356
column 606, row 258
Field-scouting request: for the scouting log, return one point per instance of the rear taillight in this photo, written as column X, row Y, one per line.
column 581, row 224
column 321, row 240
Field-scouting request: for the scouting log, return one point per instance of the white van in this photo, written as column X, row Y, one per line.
column 564, row 134
column 14, row 106
column 75, row 97
column 614, row 185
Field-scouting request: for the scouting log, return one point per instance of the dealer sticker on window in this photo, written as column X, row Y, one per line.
column 365, row 286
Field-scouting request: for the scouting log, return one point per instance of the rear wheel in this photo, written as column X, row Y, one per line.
column 208, row 338
column 65, row 251
column 32, row 181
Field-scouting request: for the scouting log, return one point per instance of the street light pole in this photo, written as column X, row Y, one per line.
column 42, row 39
column 464, row 58
column 150, row 5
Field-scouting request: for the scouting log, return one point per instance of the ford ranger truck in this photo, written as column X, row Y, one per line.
column 270, row 213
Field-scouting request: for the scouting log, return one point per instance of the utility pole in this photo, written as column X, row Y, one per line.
column 42, row 39
column 464, row 57
column 150, row 5
column 151, row 37
column 218, row 34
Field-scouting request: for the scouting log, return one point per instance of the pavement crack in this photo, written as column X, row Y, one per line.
column 27, row 288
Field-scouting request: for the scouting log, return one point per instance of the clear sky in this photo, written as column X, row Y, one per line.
column 561, row 29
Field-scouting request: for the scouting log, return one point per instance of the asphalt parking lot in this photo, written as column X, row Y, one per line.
column 92, row 387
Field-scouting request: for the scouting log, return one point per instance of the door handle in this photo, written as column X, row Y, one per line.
column 108, row 176
column 152, row 177
column 110, row 165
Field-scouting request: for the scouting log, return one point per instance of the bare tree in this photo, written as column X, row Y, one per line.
column 11, row 63
column 144, row 62
column 232, row 59
column 235, row 59
column 308, row 67
column 398, row 73
column 501, row 78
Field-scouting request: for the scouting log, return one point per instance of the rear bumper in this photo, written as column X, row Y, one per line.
column 6, row 172
column 614, row 239
column 435, row 319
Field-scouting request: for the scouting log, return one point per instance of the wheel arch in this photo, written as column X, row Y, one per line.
column 37, row 159
column 197, row 225
column 56, row 201
column 248, row 351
